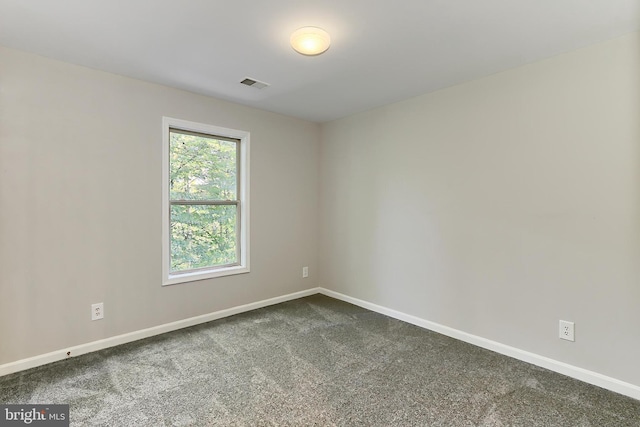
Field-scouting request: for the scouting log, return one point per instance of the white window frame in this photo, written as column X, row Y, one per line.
column 169, row 278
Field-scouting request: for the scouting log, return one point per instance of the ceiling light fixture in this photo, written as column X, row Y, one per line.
column 310, row 41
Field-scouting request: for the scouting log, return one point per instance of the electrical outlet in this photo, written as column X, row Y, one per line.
column 567, row 331
column 97, row 311
column 305, row 272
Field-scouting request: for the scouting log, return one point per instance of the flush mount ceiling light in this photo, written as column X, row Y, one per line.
column 310, row 41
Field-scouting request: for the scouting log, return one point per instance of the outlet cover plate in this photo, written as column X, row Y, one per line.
column 567, row 330
column 97, row 311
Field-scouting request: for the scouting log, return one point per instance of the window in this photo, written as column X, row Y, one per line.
column 205, row 201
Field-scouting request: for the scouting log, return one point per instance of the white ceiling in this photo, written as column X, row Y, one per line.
column 382, row 51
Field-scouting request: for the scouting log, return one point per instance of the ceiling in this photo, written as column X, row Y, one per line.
column 382, row 51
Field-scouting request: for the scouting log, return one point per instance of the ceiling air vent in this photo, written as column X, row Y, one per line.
column 254, row 83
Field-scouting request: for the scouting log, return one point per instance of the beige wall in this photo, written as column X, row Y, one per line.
column 499, row 206
column 80, row 197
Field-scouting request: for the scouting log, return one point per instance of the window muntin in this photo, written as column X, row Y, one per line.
column 205, row 201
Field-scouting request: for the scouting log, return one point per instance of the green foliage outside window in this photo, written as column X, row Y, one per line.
column 202, row 169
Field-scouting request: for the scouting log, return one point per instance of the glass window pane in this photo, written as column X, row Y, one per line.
column 203, row 236
column 202, row 168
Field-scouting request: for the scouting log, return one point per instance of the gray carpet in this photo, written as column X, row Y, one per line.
column 313, row 361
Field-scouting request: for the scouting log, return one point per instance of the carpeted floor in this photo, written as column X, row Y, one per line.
column 313, row 361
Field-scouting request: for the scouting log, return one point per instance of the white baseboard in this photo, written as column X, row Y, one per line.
column 54, row 356
column 581, row 374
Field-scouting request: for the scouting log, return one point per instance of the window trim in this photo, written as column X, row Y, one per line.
column 169, row 278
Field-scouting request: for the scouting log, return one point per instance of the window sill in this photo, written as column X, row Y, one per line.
column 193, row 276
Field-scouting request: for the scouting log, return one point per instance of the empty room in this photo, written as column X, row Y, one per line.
column 340, row 213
